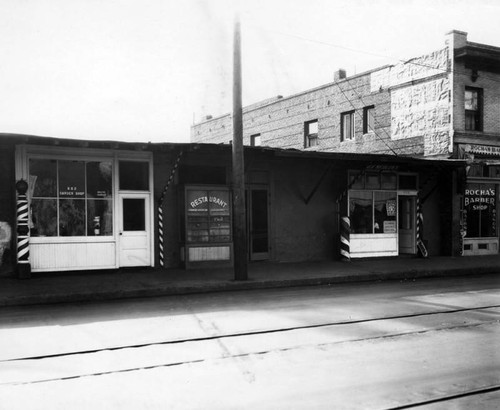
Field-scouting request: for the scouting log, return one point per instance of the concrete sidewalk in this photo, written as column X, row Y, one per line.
column 128, row 283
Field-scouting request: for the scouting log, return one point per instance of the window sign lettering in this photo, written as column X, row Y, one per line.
column 72, row 179
column 480, row 210
column 208, row 216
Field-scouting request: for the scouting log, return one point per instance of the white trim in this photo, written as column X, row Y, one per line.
column 22, row 155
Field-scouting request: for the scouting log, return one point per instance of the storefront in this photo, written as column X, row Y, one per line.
column 382, row 213
column 480, row 200
column 208, row 226
column 88, row 208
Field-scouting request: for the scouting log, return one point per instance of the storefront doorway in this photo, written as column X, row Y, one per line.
column 407, row 222
column 134, row 241
column 258, row 223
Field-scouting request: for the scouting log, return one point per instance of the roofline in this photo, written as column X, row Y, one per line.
column 250, row 107
column 278, row 152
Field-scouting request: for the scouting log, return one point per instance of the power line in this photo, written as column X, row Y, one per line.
column 357, row 111
column 444, row 70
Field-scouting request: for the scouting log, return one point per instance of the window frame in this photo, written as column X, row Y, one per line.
column 368, row 119
column 255, row 140
column 343, row 116
column 311, row 139
column 85, row 198
column 477, row 115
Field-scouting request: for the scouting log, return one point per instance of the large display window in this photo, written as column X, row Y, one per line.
column 208, row 216
column 208, row 226
column 70, row 198
column 480, row 210
column 373, row 212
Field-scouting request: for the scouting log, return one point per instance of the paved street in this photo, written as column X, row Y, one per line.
column 430, row 343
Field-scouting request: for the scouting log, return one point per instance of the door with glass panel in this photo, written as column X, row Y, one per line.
column 407, row 222
column 135, row 241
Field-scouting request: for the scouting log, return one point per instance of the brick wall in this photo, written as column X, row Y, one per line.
column 411, row 104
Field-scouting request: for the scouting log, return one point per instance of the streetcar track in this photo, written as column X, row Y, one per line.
column 246, row 354
column 450, row 397
column 236, row 356
column 252, row 333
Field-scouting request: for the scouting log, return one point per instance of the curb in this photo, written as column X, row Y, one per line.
column 225, row 286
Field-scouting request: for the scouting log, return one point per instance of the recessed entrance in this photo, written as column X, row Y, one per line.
column 258, row 223
column 407, row 222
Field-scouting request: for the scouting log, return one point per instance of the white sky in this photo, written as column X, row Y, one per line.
column 143, row 70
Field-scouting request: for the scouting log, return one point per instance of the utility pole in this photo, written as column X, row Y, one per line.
column 239, row 219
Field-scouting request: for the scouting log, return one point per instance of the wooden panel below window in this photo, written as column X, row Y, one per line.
column 72, row 256
column 209, row 253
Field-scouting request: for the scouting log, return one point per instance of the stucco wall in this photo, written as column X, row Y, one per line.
column 304, row 232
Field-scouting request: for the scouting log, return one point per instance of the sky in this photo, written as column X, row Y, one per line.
column 146, row 70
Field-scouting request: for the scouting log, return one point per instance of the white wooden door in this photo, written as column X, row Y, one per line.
column 135, row 235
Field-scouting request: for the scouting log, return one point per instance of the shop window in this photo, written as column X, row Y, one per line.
column 368, row 119
column 310, row 133
column 70, row 198
column 480, row 210
column 208, row 216
column 356, row 180
column 373, row 211
column 134, row 176
column 372, row 180
column 388, row 180
column 473, row 109
column 347, row 126
column 494, row 171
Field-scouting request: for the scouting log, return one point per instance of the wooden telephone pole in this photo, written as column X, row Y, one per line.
column 239, row 218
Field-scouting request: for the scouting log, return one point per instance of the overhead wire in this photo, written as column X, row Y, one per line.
column 409, row 61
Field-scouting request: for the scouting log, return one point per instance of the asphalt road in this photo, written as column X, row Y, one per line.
column 426, row 344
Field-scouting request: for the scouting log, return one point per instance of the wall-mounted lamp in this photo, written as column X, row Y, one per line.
column 474, row 76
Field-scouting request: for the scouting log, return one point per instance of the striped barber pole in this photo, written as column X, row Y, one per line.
column 345, row 234
column 419, row 231
column 23, row 250
column 160, row 210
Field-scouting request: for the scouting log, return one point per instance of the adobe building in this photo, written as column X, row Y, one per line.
column 442, row 105
column 71, row 205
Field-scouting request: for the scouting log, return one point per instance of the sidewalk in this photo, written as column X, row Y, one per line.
column 128, row 283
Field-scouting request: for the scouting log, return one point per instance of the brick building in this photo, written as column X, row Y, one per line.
column 445, row 104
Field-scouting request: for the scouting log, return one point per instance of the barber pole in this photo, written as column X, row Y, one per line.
column 160, row 209
column 23, row 251
column 345, row 234
column 419, row 230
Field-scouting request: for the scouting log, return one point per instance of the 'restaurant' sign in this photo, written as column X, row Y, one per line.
column 201, row 201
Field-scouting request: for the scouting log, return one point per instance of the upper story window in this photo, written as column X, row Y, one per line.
column 473, row 101
column 255, row 140
column 311, row 133
column 347, row 126
column 368, row 119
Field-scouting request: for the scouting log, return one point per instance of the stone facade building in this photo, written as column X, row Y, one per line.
column 445, row 104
